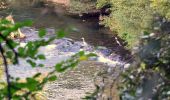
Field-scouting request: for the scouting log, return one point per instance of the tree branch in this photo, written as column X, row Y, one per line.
column 6, row 72
column 10, row 46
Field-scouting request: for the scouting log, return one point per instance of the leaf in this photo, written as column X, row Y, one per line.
column 6, row 32
column 42, row 33
column 82, row 58
column 12, row 43
column 2, row 28
column 81, row 53
column 58, row 67
column 41, row 65
column 91, row 55
column 32, row 84
column 41, row 56
column 16, row 97
column 36, row 75
column 9, row 54
column 4, row 21
column 21, row 51
column 27, row 23
column 32, row 49
column 17, row 25
column 146, row 33
column 20, row 85
column 60, row 34
column 33, row 64
column 17, row 79
column 73, row 64
column 52, row 78
column 1, row 40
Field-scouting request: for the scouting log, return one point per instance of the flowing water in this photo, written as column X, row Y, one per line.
column 81, row 28
column 73, row 84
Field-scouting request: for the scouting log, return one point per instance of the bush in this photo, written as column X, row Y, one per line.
column 135, row 16
column 150, row 78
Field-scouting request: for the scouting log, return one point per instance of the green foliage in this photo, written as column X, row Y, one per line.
column 101, row 3
column 153, row 67
column 14, row 88
column 162, row 7
column 42, row 32
column 134, row 16
column 61, row 33
column 81, row 6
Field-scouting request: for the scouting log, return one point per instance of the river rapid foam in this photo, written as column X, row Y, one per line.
column 59, row 50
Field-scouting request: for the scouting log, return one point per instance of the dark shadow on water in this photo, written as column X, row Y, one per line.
column 89, row 28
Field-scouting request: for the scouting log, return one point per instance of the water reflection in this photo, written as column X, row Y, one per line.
column 88, row 29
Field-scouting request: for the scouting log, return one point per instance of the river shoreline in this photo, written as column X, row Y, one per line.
column 74, row 83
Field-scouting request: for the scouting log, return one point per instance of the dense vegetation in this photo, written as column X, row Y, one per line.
column 131, row 18
column 149, row 76
column 143, row 24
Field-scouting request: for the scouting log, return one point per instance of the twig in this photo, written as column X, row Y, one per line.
column 10, row 46
column 6, row 72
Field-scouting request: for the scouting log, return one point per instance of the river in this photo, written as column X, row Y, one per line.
column 73, row 84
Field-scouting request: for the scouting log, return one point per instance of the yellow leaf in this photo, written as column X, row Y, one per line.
column 83, row 58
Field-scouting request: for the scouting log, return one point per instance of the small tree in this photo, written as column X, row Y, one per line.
column 11, row 50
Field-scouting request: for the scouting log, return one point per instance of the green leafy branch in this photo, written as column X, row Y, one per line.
column 15, row 89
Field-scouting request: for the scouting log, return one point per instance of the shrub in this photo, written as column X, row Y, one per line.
column 150, row 78
column 135, row 16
